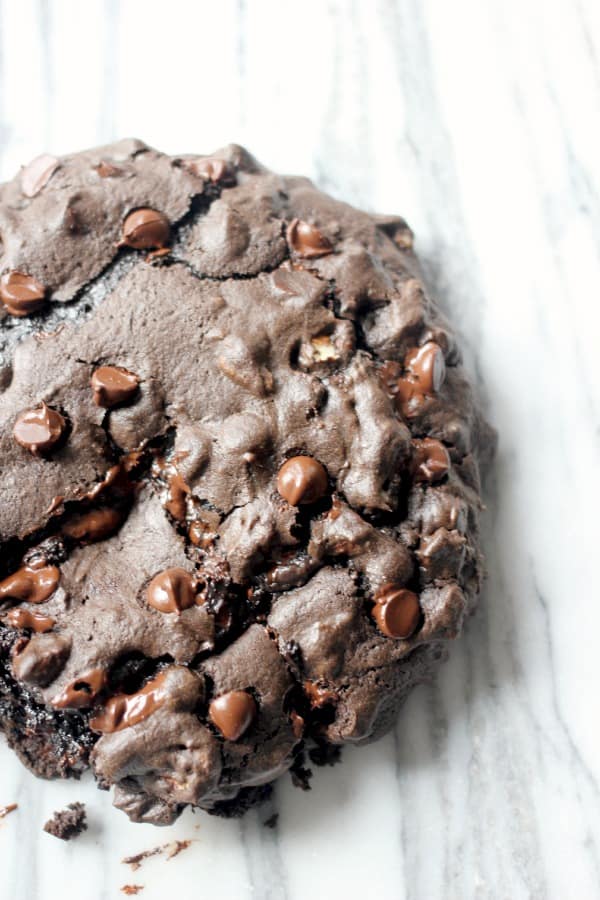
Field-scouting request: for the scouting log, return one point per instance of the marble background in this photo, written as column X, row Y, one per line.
column 479, row 120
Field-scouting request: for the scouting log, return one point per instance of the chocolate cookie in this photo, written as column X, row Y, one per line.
column 239, row 496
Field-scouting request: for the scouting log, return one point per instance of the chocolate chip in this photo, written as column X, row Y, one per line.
column 177, row 494
column 201, row 535
column 107, row 170
column 95, row 525
column 301, row 480
column 21, row 294
column 233, row 713
column 146, row 229
column 25, row 618
column 306, row 240
column 38, row 430
column 81, row 692
column 31, row 584
column 41, row 659
column 125, row 710
column 397, row 611
column 113, row 385
column 37, row 174
column 430, row 461
column 426, row 366
column 172, row 591
column 210, row 168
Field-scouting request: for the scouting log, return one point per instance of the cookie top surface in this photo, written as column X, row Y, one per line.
column 240, row 483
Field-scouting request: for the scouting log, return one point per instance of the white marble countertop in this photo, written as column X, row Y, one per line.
column 479, row 121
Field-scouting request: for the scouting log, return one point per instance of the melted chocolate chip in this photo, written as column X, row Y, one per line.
column 107, row 170
column 95, row 525
column 113, row 385
column 409, row 397
column 21, row 294
column 41, row 659
column 177, row 495
column 426, row 366
column 301, row 480
column 425, row 370
column 233, row 713
column 25, row 618
column 172, row 591
column 201, row 535
column 37, row 174
column 306, row 240
column 431, row 460
column 39, row 430
column 397, row 611
column 31, row 584
column 125, row 710
column 81, row 692
column 210, row 168
column 146, row 229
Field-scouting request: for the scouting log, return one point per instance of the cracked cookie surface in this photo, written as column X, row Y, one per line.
column 240, row 488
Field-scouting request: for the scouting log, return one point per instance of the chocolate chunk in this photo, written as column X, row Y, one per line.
column 430, row 461
column 426, row 366
column 38, row 173
column 126, row 710
column 41, row 659
column 95, row 525
column 21, row 294
column 25, row 618
column 397, row 611
column 172, row 591
column 233, row 713
column 146, row 229
column 306, row 240
column 31, row 584
column 68, row 823
column 301, row 480
column 81, row 692
column 113, row 386
column 39, row 430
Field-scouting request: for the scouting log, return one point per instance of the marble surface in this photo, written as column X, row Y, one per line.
column 477, row 120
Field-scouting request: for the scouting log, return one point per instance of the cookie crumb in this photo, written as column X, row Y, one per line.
column 136, row 861
column 271, row 822
column 132, row 889
column 68, row 823
column 176, row 848
column 5, row 810
column 172, row 849
column 300, row 774
column 325, row 754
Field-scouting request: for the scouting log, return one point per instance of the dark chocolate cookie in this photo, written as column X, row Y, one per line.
column 239, row 496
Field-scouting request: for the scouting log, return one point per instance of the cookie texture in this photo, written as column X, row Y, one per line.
column 240, row 484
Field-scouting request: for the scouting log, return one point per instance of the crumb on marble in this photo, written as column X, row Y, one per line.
column 172, row 849
column 5, row 810
column 68, row 823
